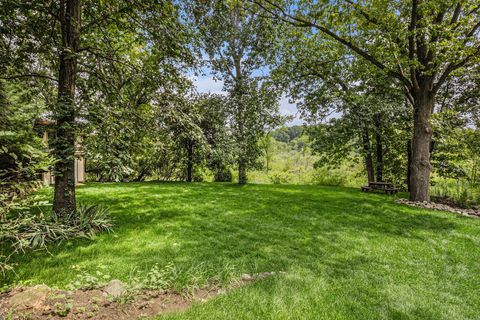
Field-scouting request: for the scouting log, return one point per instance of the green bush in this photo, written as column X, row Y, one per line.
column 89, row 219
column 328, row 177
column 224, row 175
column 458, row 191
column 280, row 178
column 37, row 231
column 31, row 232
column 16, row 196
column 22, row 153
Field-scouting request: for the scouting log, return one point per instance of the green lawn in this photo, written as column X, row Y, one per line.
column 346, row 254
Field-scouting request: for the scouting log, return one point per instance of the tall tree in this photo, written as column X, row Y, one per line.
column 53, row 41
column 420, row 43
column 69, row 16
column 236, row 39
column 214, row 109
column 330, row 83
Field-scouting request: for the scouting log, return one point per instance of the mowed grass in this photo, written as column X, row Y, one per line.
column 346, row 254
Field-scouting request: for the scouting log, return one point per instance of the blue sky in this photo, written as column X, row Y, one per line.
column 206, row 83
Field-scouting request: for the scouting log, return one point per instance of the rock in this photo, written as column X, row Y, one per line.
column 33, row 297
column 246, row 277
column 115, row 288
column 264, row 274
column 440, row 206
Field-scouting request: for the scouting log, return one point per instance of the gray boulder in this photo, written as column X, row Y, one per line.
column 33, row 297
column 115, row 288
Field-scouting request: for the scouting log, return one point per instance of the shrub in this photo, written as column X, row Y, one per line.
column 326, row 177
column 223, row 175
column 32, row 232
column 459, row 192
column 88, row 219
column 280, row 178
column 14, row 196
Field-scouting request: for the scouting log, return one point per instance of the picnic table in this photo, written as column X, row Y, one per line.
column 387, row 187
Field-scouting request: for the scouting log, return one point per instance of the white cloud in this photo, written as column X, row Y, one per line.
column 290, row 109
column 207, row 84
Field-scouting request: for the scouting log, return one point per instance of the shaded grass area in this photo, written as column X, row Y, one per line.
column 347, row 254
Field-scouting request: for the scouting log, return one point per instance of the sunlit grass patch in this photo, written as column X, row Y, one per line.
column 346, row 254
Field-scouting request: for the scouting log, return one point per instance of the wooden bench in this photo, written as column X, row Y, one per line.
column 391, row 191
column 387, row 187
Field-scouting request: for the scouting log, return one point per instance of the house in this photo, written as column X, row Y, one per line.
column 45, row 127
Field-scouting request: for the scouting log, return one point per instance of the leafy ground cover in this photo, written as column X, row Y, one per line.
column 345, row 254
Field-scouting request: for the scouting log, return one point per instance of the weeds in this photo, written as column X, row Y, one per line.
column 157, row 278
column 85, row 280
column 459, row 192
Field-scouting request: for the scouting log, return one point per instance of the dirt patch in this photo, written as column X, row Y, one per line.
column 93, row 304
column 42, row 302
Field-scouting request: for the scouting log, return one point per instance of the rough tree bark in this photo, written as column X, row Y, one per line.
column 368, row 156
column 422, row 136
column 242, row 172
column 379, row 148
column 64, row 113
column 142, row 174
column 242, row 163
column 409, row 163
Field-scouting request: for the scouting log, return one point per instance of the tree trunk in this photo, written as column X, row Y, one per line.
column 240, row 119
column 409, row 164
column 474, row 170
column 64, row 113
column 142, row 174
column 267, row 161
column 190, row 162
column 368, row 156
column 422, row 137
column 379, row 148
column 242, row 172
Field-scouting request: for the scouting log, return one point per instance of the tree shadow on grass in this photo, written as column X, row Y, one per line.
column 354, row 292
column 253, row 227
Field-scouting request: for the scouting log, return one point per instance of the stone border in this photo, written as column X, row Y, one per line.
column 440, row 207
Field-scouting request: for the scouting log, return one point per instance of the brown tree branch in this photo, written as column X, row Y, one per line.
column 452, row 67
column 300, row 22
column 456, row 14
column 412, row 48
column 30, row 75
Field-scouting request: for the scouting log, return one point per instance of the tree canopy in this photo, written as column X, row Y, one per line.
column 389, row 84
